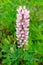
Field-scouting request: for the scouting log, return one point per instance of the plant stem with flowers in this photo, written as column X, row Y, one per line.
column 22, row 23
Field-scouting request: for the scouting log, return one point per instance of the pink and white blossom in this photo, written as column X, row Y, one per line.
column 22, row 23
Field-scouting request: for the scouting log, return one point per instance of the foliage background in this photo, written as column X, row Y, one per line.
column 9, row 53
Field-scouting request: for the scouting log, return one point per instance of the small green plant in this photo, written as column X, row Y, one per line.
column 10, row 54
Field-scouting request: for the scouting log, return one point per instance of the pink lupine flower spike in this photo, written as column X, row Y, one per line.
column 22, row 23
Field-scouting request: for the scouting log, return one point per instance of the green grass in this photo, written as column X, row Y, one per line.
column 9, row 53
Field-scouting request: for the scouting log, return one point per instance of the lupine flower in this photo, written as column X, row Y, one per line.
column 22, row 23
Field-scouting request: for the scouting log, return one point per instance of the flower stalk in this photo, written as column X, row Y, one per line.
column 22, row 23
